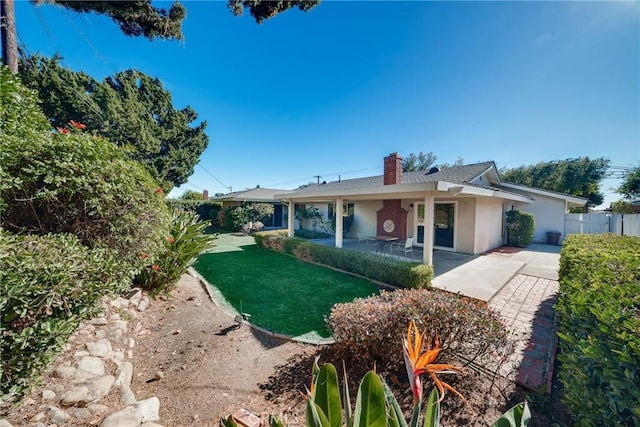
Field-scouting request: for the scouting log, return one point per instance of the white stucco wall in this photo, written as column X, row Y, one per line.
column 364, row 223
column 489, row 223
column 548, row 213
column 465, row 225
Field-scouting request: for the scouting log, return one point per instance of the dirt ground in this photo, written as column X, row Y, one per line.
column 210, row 366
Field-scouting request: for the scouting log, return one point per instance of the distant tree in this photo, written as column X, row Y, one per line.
column 191, row 195
column 265, row 9
column 418, row 162
column 130, row 108
column 135, row 17
column 578, row 177
column 630, row 187
column 622, row 207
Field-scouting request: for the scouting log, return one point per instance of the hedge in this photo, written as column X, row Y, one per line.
column 383, row 269
column 47, row 285
column 206, row 209
column 599, row 328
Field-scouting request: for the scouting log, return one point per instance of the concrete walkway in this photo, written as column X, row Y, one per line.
column 521, row 285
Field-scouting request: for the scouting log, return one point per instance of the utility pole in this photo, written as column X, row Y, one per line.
column 8, row 32
column 318, row 177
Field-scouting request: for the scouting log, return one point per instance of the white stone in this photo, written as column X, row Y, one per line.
column 48, row 394
column 135, row 296
column 150, row 425
column 114, row 316
column 80, row 413
column 117, row 357
column 130, row 354
column 101, row 333
column 127, row 417
column 119, row 324
column 143, row 304
column 80, row 354
column 149, row 409
column 40, row 416
column 74, row 395
column 98, row 321
column 89, row 367
column 57, row 415
column 89, row 328
column 126, row 395
column 64, row 372
column 123, row 302
column 131, row 343
column 115, row 335
column 98, row 389
column 132, row 313
column 114, row 304
column 124, row 374
column 100, row 348
column 97, row 408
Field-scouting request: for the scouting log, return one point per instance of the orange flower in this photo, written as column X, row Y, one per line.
column 158, row 191
column 155, row 267
column 63, row 130
column 171, row 240
column 144, row 256
column 418, row 364
column 77, row 125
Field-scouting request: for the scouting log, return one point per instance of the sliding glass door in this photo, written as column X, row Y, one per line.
column 443, row 227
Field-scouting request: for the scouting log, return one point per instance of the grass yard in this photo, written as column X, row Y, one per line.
column 280, row 293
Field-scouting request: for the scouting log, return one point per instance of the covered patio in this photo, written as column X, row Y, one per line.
column 443, row 261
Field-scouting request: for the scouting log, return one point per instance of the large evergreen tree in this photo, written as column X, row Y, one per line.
column 578, row 177
column 130, row 108
column 630, row 187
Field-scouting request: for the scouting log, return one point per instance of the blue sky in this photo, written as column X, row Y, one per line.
column 332, row 91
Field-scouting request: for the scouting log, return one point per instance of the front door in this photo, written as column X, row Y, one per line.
column 443, row 227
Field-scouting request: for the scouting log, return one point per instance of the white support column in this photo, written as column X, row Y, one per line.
column 339, row 222
column 427, row 257
column 290, row 218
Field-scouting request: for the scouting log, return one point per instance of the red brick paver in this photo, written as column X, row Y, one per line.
column 526, row 305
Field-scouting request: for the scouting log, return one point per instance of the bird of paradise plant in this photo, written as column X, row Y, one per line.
column 376, row 406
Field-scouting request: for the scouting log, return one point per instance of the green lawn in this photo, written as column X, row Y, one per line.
column 280, row 292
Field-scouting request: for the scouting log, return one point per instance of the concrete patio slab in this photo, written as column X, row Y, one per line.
column 480, row 278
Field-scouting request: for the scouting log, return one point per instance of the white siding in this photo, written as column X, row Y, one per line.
column 548, row 213
column 364, row 223
column 489, row 214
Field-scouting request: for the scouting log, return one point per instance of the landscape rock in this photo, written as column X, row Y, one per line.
column 74, row 395
column 124, row 374
column 97, row 408
column 48, row 394
column 82, row 414
column 57, row 415
column 39, row 417
column 100, row 348
column 143, row 304
column 64, row 372
column 149, row 409
column 150, row 425
column 5, row 423
column 89, row 367
column 101, row 333
column 127, row 417
column 126, row 395
column 98, row 389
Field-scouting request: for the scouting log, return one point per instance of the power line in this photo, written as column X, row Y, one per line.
column 214, row 177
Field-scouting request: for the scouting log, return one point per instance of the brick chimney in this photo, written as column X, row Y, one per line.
column 392, row 169
column 205, row 195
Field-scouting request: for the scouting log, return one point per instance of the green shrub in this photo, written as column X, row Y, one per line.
column 383, row 269
column 599, row 324
column 182, row 246
column 520, row 228
column 369, row 330
column 72, row 182
column 47, row 285
column 310, row 234
column 206, row 209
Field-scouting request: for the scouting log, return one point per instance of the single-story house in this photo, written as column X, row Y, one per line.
column 466, row 205
column 259, row 195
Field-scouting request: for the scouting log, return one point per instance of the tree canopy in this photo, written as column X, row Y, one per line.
column 191, row 195
column 419, row 162
column 578, row 177
column 130, row 108
column 630, row 187
column 140, row 18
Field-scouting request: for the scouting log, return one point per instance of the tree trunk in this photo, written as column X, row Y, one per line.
column 8, row 32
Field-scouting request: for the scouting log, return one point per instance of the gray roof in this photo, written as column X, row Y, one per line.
column 253, row 195
column 454, row 174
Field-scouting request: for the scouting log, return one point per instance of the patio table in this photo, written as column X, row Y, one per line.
column 382, row 241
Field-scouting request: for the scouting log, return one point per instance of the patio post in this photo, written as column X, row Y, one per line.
column 290, row 218
column 427, row 253
column 339, row 220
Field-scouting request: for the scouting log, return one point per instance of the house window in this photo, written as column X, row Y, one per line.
column 298, row 207
column 348, row 209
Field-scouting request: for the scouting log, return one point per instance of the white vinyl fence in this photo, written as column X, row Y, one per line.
column 620, row 224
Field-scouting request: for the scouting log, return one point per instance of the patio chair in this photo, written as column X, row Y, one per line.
column 405, row 247
column 366, row 241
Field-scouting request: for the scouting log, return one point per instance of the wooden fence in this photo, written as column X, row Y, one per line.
column 620, row 224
